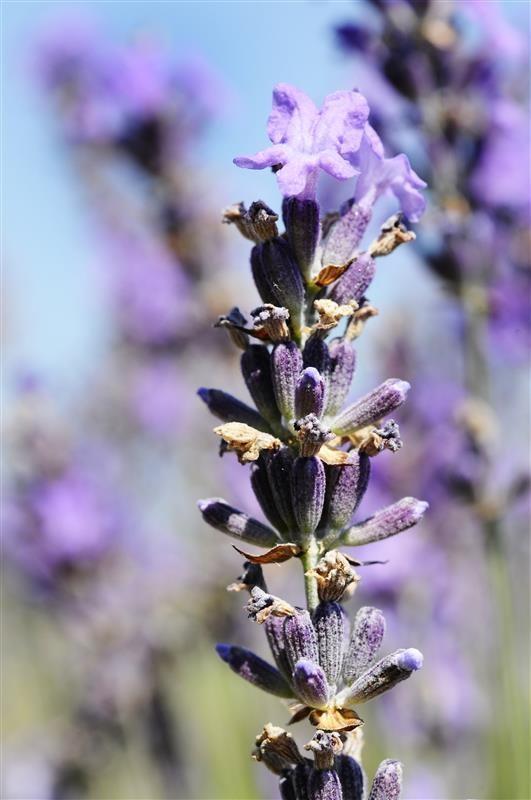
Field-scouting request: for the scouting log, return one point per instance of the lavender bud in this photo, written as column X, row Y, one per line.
column 371, row 407
column 229, row 520
column 351, row 777
column 308, row 484
column 312, row 434
column 315, row 354
column 387, row 783
column 278, row 278
column 353, row 284
column 294, row 785
column 262, row 605
column 342, row 364
column 254, row 669
column 310, row 684
column 345, row 235
column 274, row 629
column 263, row 493
column 367, row 636
column 310, row 393
column 389, row 521
column 345, row 487
column 256, row 370
column 301, row 218
column 300, row 638
column 272, row 320
column 228, row 409
column 279, row 470
column 287, row 366
column 385, row 674
column 324, row 784
column 331, row 628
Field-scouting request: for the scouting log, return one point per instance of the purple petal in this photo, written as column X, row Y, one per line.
column 264, row 158
column 292, row 117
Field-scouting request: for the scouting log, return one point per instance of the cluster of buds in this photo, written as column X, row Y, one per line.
column 309, row 456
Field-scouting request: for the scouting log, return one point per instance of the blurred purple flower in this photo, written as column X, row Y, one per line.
column 158, row 398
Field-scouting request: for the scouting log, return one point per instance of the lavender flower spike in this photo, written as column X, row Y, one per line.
column 371, row 407
column 306, row 140
column 389, row 521
column 387, row 783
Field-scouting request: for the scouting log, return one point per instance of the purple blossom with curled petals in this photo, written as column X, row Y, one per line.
column 306, row 140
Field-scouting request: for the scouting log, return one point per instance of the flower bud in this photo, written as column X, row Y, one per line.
column 274, row 629
column 310, row 393
column 287, row 366
column 324, row 784
column 387, row 783
column 229, row 520
column 345, row 487
column 279, row 470
column 228, row 409
column 300, row 639
column 272, row 321
column 344, row 236
column 385, row 674
column 278, row 278
column 367, row 636
column 310, row 684
column 256, row 370
column 262, row 489
column 351, row 777
column 315, row 354
column 334, row 574
column 294, row 784
column 342, row 363
column 308, row 484
column 325, row 746
column 353, row 284
column 301, row 218
column 332, row 635
column 254, row 669
column 371, row 407
column 257, row 224
column 389, row 521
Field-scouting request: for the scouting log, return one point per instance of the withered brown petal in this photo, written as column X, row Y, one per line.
column 339, row 719
column 330, row 273
column 276, row 555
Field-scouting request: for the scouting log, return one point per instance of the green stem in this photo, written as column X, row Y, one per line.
column 309, row 561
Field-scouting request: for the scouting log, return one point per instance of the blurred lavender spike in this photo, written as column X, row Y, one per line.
column 351, row 777
column 286, row 367
column 235, row 523
column 256, row 370
column 308, row 482
column 344, row 236
column 310, row 393
column 367, row 636
column 301, row 218
column 300, row 639
column 353, row 284
column 345, row 487
column 341, row 369
column 389, row 521
column 371, row 407
column 331, row 626
column 387, row 783
column 228, row 409
column 254, row 669
column 385, row 674
column 310, row 684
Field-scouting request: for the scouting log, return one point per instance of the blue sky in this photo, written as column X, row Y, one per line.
column 55, row 319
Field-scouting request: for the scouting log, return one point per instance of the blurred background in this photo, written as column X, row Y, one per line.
column 120, row 122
